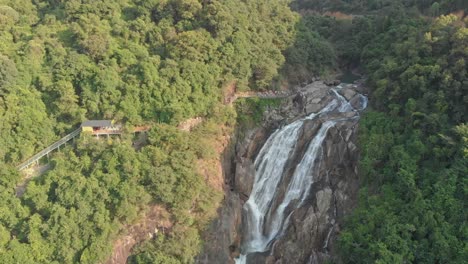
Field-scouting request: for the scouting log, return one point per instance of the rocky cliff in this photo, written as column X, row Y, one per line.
column 312, row 229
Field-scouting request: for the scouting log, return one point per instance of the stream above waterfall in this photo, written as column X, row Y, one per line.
column 279, row 187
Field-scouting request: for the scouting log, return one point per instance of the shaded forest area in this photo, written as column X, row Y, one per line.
column 414, row 137
column 379, row 7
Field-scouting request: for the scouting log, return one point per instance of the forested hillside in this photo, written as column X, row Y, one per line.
column 161, row 61
column 64, row 61
column 414, row 147
column 414, row 159
column 429, row 7
column 138, row 62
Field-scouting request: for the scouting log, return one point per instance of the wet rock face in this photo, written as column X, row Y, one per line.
column 313, row 228
column 244, row 177
column 221, row 242
column 308, row 99
column 222, row 239
column 347, row 92
column 311, row 235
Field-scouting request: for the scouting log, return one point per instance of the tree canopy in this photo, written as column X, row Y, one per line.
column 414, row 160
column 135, row 61
column 413, row 139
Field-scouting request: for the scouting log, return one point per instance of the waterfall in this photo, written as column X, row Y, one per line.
column 363, row 101
column 264, row 223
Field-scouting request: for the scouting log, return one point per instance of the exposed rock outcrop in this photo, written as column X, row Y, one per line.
column 312, row 229
column 222, row 240
column 154, row 221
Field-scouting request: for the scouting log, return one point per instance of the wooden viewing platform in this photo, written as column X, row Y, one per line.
column 107, row 132
column 94, row 129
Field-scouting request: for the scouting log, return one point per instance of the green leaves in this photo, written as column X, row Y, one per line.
column 310, row 55
column 8, row 73
column 413, row 150
column 136, row 62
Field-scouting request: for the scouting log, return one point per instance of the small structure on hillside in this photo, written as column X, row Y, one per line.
column 93, row 127
column 98, row 127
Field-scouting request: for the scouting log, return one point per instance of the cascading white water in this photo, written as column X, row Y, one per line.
column 345, row 106
column 269, row 169
column 363, row 101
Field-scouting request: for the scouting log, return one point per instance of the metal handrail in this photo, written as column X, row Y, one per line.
column 48, row 149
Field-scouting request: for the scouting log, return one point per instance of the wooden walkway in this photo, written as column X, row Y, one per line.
column 265, row 95
column 65, row 139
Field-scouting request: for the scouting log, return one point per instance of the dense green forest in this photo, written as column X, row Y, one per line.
column 138, row 62
column 414, row 147
column 64, row 61
column 162, row 61
column 414, row 137
column 380, row 7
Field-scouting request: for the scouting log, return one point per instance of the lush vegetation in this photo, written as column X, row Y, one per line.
column 412, row 206
column 332, row 35
column 311, row 55
column 161, row 61
column 429, row 7
column 64, row 61
column 250, row 111
column 157, row 61
column 73, row 213
column 414, row 147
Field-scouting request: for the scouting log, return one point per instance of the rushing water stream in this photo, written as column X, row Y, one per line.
column 263, row 222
